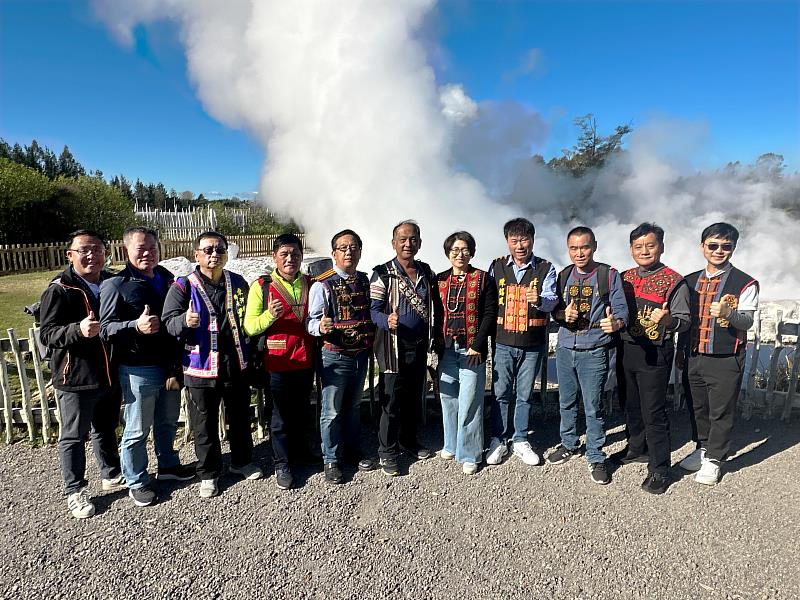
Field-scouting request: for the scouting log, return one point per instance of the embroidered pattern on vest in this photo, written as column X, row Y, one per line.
column 707, row 290
column 410, row 294
column 473, row 282
column 655, row 290
column 353, row 327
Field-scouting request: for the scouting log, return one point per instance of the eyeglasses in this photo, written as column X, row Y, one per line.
column 714, row 246
column 89, row 250
column 462, row 251
column 209, row 250
column 352, row 247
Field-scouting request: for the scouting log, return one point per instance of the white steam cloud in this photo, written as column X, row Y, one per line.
column 358, row 134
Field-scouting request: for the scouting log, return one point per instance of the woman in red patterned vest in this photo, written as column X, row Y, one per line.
column 469, row 296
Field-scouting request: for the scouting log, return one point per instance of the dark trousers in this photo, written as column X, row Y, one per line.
column 204, row 415
column 94, row 412
column 290, row 415
column 715, row 382
column 401, row 399
column 644, row 386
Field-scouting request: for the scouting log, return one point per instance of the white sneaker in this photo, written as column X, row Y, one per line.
column 445, row 455
column 115, row 483
column 694, row 461
column 208, row 488
column 497, row 450
column 526, row 453
column 470, row 468
column 708, row 473
column 249, row 471
column 79, row 504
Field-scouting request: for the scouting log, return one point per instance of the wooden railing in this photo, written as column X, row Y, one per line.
column 26, row 258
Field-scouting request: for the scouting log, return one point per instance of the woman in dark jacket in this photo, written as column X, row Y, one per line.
column 469, row 296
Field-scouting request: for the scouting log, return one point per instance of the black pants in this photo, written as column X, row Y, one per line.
column 290, row 415
column 715, row 382
column 401, row 399
column 204, row 415
column 94, row 412
column 644, row 386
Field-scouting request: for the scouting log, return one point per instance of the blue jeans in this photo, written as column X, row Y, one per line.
column 513, row 366
column 586, row 371
column 461, row 389
column 147, row 403
column 342, row 388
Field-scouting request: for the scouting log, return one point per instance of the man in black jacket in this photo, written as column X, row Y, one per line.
column 87, row 393
column 147, row 358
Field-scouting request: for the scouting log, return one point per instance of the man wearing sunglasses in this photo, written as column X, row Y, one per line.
column 723, row 303
column 205, row 311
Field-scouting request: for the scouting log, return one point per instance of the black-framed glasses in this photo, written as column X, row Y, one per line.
column 462, row 251
column 89, row 250
column 209, row 250
column 714, row 246
column 352, row 248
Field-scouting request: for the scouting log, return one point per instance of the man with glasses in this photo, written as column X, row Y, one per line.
column 407, row 313
column 148, row 361
column 88, row 396
column 723, row 304
column 339, row 313
column 526, row 293
column 205, row 312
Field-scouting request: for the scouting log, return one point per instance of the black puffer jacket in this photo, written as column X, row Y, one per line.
column 77, row 363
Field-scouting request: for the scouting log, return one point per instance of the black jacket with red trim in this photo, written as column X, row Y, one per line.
column 77, row 363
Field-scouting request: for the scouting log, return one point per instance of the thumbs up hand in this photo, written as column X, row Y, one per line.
column 532, row 294
column 90, row 326
column 192, row 315
column 393, row 320
column 609, row 324
column 147, row 323
column 660, row 315
column 571, row 312
column 721, row 309
column 275, row 308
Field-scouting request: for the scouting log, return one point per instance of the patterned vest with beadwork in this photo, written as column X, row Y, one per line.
column 353, row 329
column 473, row 285
column 202, row 359
column 644, row 295
column 711, row 335
column 288, row 346
column 519, row 323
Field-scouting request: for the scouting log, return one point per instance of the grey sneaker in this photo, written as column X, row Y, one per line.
column 143, row 496
column 283, row 478
column 599, row 474
column 250, row 471
column 694, row 461
column 115, row 483
column 497, row 450
column 208, row 488
column 79, row 504
column 560, row 455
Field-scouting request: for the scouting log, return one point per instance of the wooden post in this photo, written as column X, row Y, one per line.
column 6, row 396
column 773, row 362
column 750, row 386
column 260, row 413
column 33, row 344
column 187, row 424
column 27, row 410
column 223, row 430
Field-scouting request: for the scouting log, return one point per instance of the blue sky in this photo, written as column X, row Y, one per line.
column 731, row 67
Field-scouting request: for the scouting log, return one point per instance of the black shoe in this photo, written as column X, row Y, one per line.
column 333, row 473
column 655, row 483
column 599, row 474
column 176, row 473
column 418, row 452
column 283, row 477
column 626, row 457
column 367, row 464
column 560, row 455
column 143, row 496
column 389, row 467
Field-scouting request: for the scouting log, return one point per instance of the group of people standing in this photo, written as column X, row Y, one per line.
column 138, row 336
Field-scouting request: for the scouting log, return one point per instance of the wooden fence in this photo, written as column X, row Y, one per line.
column 26, row 258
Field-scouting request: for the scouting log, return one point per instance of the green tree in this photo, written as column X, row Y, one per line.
column 591, row 150
column 23, row 194
column 68, row 166
column 92, row 203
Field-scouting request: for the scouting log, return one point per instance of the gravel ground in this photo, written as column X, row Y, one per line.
column 510, row 531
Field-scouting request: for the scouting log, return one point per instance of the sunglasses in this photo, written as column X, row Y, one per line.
column 209, row 250
column 713, row 246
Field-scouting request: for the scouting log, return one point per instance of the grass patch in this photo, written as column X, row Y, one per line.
column 16, row 292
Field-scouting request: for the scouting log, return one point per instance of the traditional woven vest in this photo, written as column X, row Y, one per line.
column 519, row 323
column 353, row 329
column 288, row 346
column 644, row 295
column 474, row 282
column 710, row 335
column 202, row 360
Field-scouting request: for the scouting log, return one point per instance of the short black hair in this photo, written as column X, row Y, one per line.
column 343, row 233
column 464, row 236
column 581, row 230
column 646, row 229
column 723, row 231
column 126, row 235
column 519, row 227
column 287, row 239
column 209, row 234
column 407, row 222
column 86, row 232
